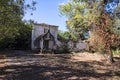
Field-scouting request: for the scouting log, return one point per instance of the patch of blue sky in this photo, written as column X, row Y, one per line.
column 110, row 7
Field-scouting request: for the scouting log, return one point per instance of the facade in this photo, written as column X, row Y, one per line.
column 44, row 36
column 77, row 45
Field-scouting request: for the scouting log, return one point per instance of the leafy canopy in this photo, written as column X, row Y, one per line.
column 81, row 15
column 11, row 23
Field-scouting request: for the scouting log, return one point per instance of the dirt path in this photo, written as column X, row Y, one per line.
column 80, row 66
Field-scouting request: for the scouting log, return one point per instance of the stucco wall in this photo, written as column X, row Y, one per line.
column 79, row 45
column 39, row 30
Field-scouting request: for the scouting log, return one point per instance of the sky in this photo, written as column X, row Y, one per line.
column 111, row 6
column 47, row 12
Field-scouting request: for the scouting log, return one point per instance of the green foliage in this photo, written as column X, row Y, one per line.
column 66, row 35
column 90, row 15
column 23, row 40
column 20, row 41
column 81, row 15
column 12, row 27
column 116, row 21
column 116, row 51
column 63, row 35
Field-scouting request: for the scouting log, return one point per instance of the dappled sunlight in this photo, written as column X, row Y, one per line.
column 87, row 57
column 31, row 50
column 56, row 67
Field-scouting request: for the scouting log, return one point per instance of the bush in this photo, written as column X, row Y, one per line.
column 21, row 41
column 116, row 51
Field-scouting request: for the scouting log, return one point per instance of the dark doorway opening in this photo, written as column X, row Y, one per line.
column 46, row 44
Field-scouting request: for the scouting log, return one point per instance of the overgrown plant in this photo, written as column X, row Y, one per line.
column 102, row 35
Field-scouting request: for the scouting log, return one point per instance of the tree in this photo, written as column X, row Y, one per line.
column 74, row 11
column 63, row 35
column 117, row 20
column 11, row 14
column 23, row 40
column 91, row 15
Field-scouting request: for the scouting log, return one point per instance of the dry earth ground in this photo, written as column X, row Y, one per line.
column 79, row 66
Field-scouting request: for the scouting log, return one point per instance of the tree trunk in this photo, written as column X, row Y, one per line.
column 109, row 56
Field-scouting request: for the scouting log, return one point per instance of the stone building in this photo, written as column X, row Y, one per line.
column 44, row 36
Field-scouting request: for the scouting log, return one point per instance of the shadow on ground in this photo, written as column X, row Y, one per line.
column 57, row 67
